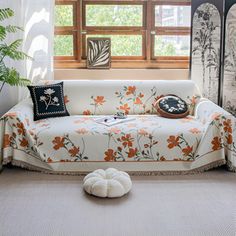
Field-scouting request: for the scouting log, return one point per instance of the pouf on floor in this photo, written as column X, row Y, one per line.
column 109, row 183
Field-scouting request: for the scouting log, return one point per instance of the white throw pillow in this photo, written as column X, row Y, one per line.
column 109, row 183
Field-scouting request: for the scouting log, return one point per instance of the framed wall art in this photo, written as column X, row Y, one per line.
column 98, row 53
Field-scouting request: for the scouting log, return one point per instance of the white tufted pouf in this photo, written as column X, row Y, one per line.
column 107, row 183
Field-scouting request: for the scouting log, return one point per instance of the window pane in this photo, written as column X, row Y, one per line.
column 63, row 45
column 114, row 15
column 172, row 45
column 124, row 45
column 167, row 15
column 64, row 15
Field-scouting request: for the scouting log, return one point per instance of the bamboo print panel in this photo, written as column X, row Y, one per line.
column 206, row 50
column 229, row 86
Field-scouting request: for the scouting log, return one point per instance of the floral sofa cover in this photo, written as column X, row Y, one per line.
column 148, row 144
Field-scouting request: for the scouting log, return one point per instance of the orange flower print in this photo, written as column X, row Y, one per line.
column 125, row 108
column 193, row 100
column 114, row 130
column 82, row 131
column 195, row 131
column 40, row 121
column 216, row 143
column 6, row 141
column 110, row 155
column 132, row 152
column 87, row 113
column 131, row 90
column 187, row 119
column 32, row 132
column 24, row 143
column 127, row 140
column 229, row 139
column 49, row 160
column 58, row 142
column 143, row 132
column 21, row 129
column 173, row 141
column 162, row 158
column 186, row 151
column 11, row 114
column 227, row 126
column 99, row 100
column 215, row 116
column 138, row 101
column 66, row 100
column 74, row 151
column 141, row 95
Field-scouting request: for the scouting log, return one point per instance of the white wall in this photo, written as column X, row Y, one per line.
column 9, row 96
column 119, row 74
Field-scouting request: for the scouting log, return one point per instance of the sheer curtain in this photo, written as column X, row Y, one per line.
column 36, row 17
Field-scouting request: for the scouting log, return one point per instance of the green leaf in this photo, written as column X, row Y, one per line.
column 14, row 78
column 10, row 75
column 13, row 28
column 6, row 13
column 3, row 33
column 16, row 44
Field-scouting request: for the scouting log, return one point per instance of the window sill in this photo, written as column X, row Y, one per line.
column 138, row 64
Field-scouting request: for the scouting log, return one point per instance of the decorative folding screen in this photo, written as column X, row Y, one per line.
column 229, row 66
column 213, row 50
column 206, row 46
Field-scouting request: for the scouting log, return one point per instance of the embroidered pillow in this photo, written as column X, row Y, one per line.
column 172, row 106
column 48, row 101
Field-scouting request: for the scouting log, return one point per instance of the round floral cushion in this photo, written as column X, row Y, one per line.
column 109, row 183
column 171, row 106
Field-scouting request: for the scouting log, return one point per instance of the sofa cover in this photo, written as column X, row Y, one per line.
column 148, row 144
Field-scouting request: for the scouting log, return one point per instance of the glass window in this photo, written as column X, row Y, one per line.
column 64, row 15
column 63, row 45
column 172, row 45
column 124, row 45
column 175, row 16
column 114, row 15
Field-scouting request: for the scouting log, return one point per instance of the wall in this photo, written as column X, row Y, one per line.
column 126, row 74
column 8, row 98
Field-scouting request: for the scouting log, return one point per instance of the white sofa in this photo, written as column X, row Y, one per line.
column 147, row 145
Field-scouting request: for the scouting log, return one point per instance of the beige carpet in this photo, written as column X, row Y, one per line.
column 39, row 204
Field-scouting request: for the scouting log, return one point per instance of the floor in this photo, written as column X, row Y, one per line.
column 39, row 204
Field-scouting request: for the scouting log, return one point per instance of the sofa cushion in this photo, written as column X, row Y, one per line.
column 48, row 101
column 171, row 106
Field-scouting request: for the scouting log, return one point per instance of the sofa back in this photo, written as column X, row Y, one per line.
column 91, row 97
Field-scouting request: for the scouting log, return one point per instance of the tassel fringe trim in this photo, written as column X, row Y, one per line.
column 132, row 173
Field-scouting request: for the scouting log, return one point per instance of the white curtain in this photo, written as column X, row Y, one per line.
column 36, row 18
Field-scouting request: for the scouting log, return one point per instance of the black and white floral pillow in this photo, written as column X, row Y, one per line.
column 171, row 106
column 48, row 101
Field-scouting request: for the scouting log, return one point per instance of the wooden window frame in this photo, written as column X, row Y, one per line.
column 169, row 30
column 147, row 60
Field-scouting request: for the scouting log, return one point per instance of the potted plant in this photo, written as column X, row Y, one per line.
column 10, row 75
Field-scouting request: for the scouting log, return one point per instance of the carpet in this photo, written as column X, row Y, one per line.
column 38, row 204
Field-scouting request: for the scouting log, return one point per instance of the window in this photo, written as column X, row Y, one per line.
column 144, row 34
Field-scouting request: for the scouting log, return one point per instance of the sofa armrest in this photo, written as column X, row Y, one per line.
column 206, row 111
column 218, row 121
column 23, row 113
